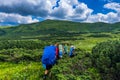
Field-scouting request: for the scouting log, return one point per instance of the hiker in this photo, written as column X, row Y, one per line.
column 57, row 51
column 60, row 50
column 48, row 58
column 72, row 49
column 65, row 49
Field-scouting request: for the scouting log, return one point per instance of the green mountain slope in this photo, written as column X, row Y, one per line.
column 56, row 27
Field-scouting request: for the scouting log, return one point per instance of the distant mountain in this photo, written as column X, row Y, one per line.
column 56, row 27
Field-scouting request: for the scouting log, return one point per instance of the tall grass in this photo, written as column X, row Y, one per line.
column 21, row 71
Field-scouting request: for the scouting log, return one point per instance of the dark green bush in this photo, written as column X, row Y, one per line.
column 106, row 58
column 75, row 68
column 97, row 35
column 17, row 55
column 25, row 44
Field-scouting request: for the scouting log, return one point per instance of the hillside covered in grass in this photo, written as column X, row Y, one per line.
column 56, row 27
column 96, row 51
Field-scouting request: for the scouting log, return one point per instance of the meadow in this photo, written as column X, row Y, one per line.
column 24, row 62
column 21, row 49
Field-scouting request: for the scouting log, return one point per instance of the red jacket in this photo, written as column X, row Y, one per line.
column 57, row 52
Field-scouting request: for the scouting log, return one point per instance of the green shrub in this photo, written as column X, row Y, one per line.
column 25, row 44
column 98, row 35
column 75, row 68
column 106, row 58
column 17, row 55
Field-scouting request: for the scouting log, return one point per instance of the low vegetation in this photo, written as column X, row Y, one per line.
column 106, row 58
column 96, row 51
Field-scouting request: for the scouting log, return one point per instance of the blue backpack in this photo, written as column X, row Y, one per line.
column 48, row 57
column 71, row 51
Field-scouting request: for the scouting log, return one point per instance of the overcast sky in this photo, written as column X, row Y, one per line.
column 13, row 12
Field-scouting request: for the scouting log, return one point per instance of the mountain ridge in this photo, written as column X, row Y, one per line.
column 57, row 27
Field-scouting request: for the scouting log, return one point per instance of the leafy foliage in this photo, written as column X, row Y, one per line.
column 76, row 68
column 25, row 44
column 106, row 58
column 98, row 35
column 21, row 49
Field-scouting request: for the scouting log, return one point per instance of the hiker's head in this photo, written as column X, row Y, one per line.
column 72, row 46
column 56, row 44
column 66, row 44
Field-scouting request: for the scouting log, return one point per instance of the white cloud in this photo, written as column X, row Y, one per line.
column 66, row 10
column 110, row 17
column 27, row 7
column 43, row 8
column 16, row 18
column 114, row 6
column 107, row 18
column 20, row 11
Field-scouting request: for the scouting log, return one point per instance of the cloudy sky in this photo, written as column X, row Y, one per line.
column 14, row 12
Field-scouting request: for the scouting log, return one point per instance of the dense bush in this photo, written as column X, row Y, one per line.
column 16, row 55
column 97, row 35
column 106, row 58
column 75, row 68
column 25, row 44
column 21, row 50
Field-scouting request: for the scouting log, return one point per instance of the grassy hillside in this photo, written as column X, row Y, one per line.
column 20, row 57
column 56, row 27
